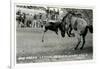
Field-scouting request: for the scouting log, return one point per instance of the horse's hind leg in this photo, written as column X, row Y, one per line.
column 43, row 35
column 67, row 31
column 79, row 40
column 83, row 37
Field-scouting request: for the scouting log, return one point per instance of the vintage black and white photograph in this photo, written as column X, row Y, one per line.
column 53, row 34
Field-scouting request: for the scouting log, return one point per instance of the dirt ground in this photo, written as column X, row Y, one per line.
column 31, row 49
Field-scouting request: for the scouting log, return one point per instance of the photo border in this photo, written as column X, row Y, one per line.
column 13, row 34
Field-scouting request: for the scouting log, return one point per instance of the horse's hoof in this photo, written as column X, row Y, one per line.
column 69, row 36
column 75, row 48
column 72, row 35
column 42, row 40
column 81, row 48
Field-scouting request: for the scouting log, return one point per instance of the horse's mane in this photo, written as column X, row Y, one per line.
column 65, row 17
column 73, row 14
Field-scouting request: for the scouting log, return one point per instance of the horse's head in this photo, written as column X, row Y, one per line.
column 65, row 23
column 62, row 29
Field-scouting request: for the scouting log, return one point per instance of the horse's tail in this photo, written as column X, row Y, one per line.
column 90, row 27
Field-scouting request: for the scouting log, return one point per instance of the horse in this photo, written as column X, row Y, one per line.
column 79, row 25
column 53, row 26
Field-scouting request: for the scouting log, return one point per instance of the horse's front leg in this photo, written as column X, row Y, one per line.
column 56, row 31
column 79, row 40
column 70, row 32
column 67, row 31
